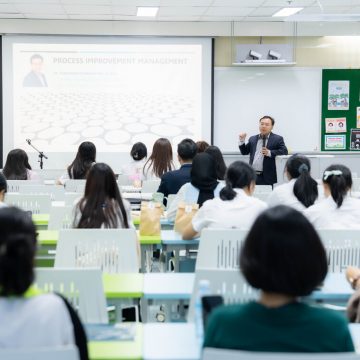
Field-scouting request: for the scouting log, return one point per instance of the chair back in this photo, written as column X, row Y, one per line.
column 56, row 192
column 342, row 248
column 73, row 185
column 150, row 186
column 71, row 198
column 69, row 352
column 123, row 180
column 83, row 288
column 260, row 189
column 112, row 250
column 37, row 204
column 13, row 185
column 229, row 283
column 220, row 248
column 170, row 199
column 61, row 217
column 50, row 174
column 225, row 354
column 356, row 184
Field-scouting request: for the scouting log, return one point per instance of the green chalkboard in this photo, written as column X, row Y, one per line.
column 340, row 99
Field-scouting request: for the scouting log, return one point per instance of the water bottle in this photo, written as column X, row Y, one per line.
column 203, row 290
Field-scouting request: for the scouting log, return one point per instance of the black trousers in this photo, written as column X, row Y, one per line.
column 261, row 181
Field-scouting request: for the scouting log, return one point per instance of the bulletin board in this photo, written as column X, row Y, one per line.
column 340, row 110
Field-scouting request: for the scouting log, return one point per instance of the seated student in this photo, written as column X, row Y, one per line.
column 338, row 210
column 160, row 160
column 172, row 181
column 215, row 152
column 235, row 208
column 283, row 257
column 301, row 191
column 201, row 146
column 84, row 159
column 134, row 169
column 203, row 186
column 17, row 166
column 29, row 318
column 102, row 205
column 3, row 190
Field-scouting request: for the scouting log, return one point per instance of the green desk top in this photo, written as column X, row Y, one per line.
column 51, row 237
column 123, row 285
column 48, row 237
column 118, row 350
column 40, row 219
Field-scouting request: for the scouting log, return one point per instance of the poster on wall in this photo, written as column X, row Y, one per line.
column 338, row 95
column 335, row 142
column 335, row 125
column 358, row 117
column 355, row 139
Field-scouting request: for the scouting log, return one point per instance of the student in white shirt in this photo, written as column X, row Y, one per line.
column 17, row 166
column 160, row 160
column 84, row 159
column 30, row 318
column 235, row 208
column 203, row 186
column 134, row 170
column 338, row 210
column 301, row 191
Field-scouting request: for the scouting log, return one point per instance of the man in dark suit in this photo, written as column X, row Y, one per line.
column 263, row 148
column 35, row 78
column 172, row 181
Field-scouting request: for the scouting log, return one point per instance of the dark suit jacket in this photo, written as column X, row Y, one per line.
column 32, row 80
column 277, row 147
column 172, row 181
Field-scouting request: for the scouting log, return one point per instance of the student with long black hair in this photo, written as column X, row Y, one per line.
column 215, row 152
column 84, row 159
column 235, row 208
column 17, row 166
column 338, row 210
column 284, row 258
column 203, row 185
column 301, row 191
column 30, row 318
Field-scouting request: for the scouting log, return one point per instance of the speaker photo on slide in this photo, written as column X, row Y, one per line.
column 35, row 78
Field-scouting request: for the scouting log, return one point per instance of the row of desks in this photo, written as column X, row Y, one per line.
column 165, row 341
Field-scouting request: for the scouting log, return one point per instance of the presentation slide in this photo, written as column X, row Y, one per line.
column 114, row 93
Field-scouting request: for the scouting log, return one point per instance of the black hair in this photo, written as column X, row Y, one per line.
column 283, row 253
column 102, row 205
column 338, row 178
column 17, row 251
column 215, row 152
column 36, row 56
column 83, row 161
column 16, row 165
column 305, row 187
column 268, row 117
column 187, row 149
column 138, row 151
column 239, row 175
column 3, row 182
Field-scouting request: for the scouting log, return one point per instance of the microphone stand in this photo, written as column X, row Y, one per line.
column 41, row 154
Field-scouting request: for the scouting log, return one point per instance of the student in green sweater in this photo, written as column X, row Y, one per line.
column 284, row 258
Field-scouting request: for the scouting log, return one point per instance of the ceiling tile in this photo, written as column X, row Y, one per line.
column 91, row 17
column 87, row 2
column 124, row 10
column 47, row 16
column 185, row 2
column 8, row 8
column 237, row 3
column 34, row 2
column 83, row 9
column 181, row 11
column 36, row 8
column 339, row 2
column 178, row 18
column 229, row 11
column 135, row 2
column 12, row 16
column 222, row 18
column 295, row 3
column 265, row 11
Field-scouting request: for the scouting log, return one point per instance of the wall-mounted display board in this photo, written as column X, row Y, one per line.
column 340, row 110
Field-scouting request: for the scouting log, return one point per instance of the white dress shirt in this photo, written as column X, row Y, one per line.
column 39, row 321
column 326, row 215
column 284, row 195
column 238, row 213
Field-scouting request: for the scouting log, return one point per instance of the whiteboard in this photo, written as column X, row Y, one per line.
column 291, row 95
